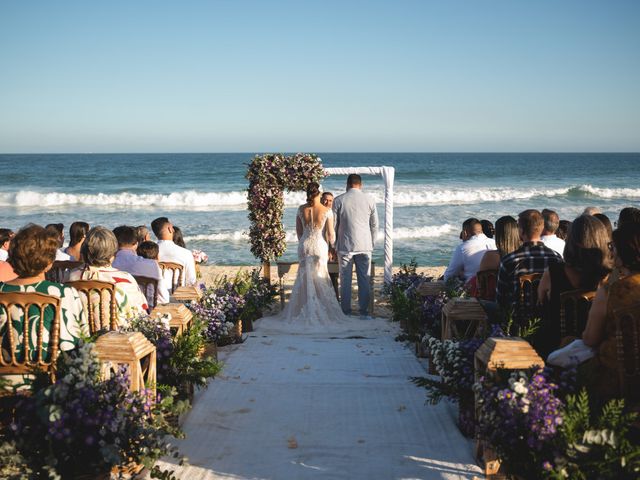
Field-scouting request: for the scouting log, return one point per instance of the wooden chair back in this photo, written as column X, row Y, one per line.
column 177, row 273
column 149, row 287
column 527, row 305
column 99, row 300
column 574, row 311
column 30, row 309
column 59, row 272
column 486, row 284
column 628, row 351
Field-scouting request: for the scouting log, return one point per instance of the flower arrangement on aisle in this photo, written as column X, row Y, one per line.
column 269, row 176
column 83, row 425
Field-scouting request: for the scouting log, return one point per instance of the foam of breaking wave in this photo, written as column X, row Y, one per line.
column 402, row 196
column 401, row 233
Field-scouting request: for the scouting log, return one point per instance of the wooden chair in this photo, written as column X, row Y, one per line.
column 100, row 314
column 32, row 306
column 486, row 284
column 60, row 270
column 149, row 287
column 177, row 273
column 527, row 304
column 628, row 351
column 574, row 310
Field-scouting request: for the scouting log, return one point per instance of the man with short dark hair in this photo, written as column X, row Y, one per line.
column 549, row 238
column 6, row 235
column 128, row 260
column 532, row 257
column 170, row 252
column 467, row 256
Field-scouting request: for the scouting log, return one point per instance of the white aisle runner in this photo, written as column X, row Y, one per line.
column 307, row 407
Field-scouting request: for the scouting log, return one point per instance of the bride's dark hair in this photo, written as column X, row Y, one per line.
column 313, row 190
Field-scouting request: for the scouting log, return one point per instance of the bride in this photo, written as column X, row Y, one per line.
column 313, row 306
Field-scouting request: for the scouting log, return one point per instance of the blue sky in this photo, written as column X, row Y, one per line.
column 236, row 75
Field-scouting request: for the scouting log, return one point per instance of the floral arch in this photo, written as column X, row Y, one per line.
column 270, row 175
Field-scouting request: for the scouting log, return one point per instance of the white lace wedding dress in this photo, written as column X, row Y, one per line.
column 312, row 307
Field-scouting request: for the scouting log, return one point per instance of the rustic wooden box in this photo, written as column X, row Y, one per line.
column 462, row 318
column 181, row 316
column 185, row 294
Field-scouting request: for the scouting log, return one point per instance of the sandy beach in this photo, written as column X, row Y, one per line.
column 212, row 272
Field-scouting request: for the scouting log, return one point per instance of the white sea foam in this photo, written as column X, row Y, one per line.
column 238, row 199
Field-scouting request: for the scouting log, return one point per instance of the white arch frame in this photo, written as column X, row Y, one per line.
column 387, row 174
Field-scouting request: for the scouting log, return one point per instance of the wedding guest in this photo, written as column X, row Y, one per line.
column 77, row 234
column 532, row 257
column 6, row 271
column 600, row 330
column 58, row 228
column 6, row 235
column 487, row 228
column 563, row 229
column 606, row 222
column 127, row 260
column 31, row 255
column 467, row 256
column 591, row 211
column 549, row 237
column 587, row 262
column 628, row 215
column 178, row 239
column 148, row 250
column 98, row 251
column 170, row 252
column 507, row 240
column 143, row 234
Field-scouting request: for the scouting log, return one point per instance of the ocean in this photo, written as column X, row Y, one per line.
column 204, row 194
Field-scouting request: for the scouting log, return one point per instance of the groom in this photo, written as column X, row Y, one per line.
column 356, row 227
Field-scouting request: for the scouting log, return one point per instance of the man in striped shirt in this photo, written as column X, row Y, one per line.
column 532, row 257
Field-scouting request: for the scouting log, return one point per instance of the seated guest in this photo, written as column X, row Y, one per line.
column 143, row 234
column 6, row 272
column 606, row 222
column 148, row 250
column 31, row 255
column 128, row 260
column 58, row 228
column 532, row 257
column 551, row 224
column 178, row 239
column 99, row 250
column 5, row 240
column 600, row 330
column 628, row 215
column 507, row 240
column 588, row 261
column 487, row 228
column 468, row 255
column 591, row 211
column 170, row 252
column 563, row 229
column 77, row 233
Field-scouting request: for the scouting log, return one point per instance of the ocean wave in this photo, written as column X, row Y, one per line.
column 409, row 196
column 401, row 233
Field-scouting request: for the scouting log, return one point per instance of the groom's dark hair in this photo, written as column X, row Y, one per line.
column 353, row 180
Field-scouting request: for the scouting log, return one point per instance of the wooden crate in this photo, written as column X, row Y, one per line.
column 430, row 288
column 185, row 294
column 510, row 353
column 462, row 318
column 181, row 316
column 133, row 350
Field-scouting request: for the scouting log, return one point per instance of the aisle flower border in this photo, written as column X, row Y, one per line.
column 269, row 176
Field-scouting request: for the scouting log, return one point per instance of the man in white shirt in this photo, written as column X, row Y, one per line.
column 58, row 229
column 170, row 252
column 6, row 235
column 549, row 238
column 128, row 260
column 467, row 256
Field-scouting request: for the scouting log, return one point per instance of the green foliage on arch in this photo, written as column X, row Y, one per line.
column 269, row 176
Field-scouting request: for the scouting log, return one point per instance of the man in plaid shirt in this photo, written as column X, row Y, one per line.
column 532, row 257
